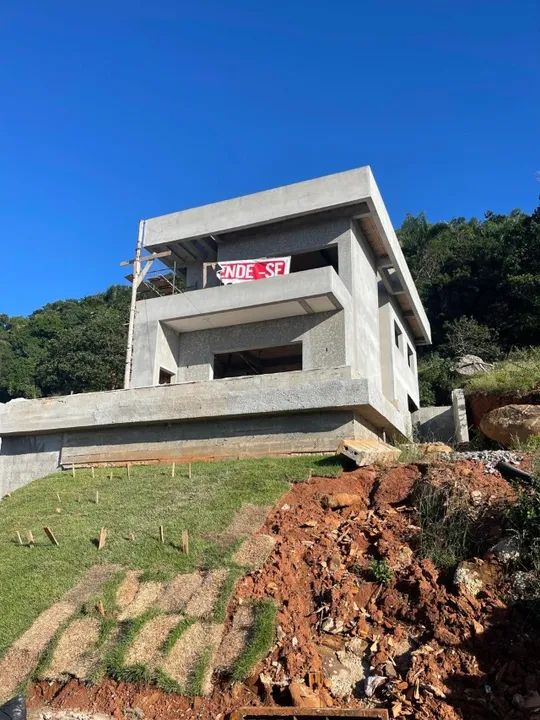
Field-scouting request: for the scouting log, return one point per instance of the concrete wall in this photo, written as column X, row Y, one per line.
column 23, row 459
column 399, row 378
column 27, row 458
column 242, row 437
column 359, row 273
column 162, row 325
column 322, row 336
column 283, row 239
column 434, row 424
column 279, row 393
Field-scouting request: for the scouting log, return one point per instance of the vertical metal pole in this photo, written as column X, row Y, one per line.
column 135, row 285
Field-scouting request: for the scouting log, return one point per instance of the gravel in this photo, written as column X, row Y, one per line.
column 490, row 457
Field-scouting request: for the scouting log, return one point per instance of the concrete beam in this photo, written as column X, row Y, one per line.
column 248, row 302
column 304, row 390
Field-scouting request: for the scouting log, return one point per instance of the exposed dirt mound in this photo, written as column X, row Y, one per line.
column 396, row 634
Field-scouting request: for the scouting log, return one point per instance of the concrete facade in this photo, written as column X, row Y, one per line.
column 348, row 313
column 357, row 309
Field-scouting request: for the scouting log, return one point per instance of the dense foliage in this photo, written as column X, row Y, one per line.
column 480, row 284
column 479, row 281
column 67, row 346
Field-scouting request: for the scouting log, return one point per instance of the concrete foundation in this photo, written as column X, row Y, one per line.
column 236, row 417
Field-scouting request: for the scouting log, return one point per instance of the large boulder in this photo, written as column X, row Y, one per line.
column 469, row 365
column 511, row 423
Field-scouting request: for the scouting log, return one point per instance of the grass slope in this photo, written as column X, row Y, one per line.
column 32, row 578
column 519, row 373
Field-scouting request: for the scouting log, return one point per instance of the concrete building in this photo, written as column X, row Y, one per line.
column 349, row 301
column 290, row 363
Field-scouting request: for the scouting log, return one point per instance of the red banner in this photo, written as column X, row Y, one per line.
column 236, row 271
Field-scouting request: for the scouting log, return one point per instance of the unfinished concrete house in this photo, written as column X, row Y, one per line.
column 283, row 321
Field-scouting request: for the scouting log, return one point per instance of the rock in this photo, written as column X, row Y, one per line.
column 327, row 624
column 468, row 365
column 357, row 646
column 511, row 423
column 468, row 578
column 340, row 500
column 476, row 498
column 522, row 582
column 364, row 593
column 434, row 449
column 507, row 550
column 372, row 683
column 343, row 671
column 302, row 696
column 474, row 575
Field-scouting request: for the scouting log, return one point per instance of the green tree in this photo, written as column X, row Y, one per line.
column 66, row 346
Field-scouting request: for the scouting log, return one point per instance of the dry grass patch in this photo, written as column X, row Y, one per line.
column 189, row 662
column 254, row 551
column 146, row 648
column 145, row 598
column 201, row 605
column 91, row 582
column 245, row 521
column 128, row 589
column 21, row 658
column 179, row 591
column 235, row 641
column 73, row 656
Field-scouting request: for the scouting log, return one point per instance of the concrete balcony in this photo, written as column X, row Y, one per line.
column 303, row 293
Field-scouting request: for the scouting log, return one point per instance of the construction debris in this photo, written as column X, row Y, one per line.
column 369, row 452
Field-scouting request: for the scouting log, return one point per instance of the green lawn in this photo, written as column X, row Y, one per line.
column 32, row 578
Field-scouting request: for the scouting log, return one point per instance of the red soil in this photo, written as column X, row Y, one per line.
column 443, row 654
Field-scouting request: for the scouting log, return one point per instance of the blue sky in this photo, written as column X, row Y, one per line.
column 115, row 111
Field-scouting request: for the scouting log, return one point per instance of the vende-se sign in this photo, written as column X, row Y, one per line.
column 237, row 271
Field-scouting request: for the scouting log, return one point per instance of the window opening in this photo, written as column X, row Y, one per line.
column 165, row 377
column 260, row 361
column 318, row 258
column 397, row 336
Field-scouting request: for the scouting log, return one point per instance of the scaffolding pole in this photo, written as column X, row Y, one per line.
column 134, row 286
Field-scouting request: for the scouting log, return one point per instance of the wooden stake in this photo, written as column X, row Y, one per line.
column 19, row 538
column 161, row 534
column 73, row 469
column 132, row 536
column 173, row 469
column 49, row 533
column 30, row 536
column 100, row 608
column 189, row 471
column 185, row 542
column 102, row 538
column 97, row 497
column 93, row 472
column 129, row 471
column 110, row 474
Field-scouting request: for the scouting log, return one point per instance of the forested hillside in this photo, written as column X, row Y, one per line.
column 67, row 346
column 479, row 281
column 480, row 284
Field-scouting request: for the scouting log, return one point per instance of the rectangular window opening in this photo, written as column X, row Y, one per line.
column 260, row 361
column 165, row 377
column 318, row 258
column 397, row 336
column 410, row 357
